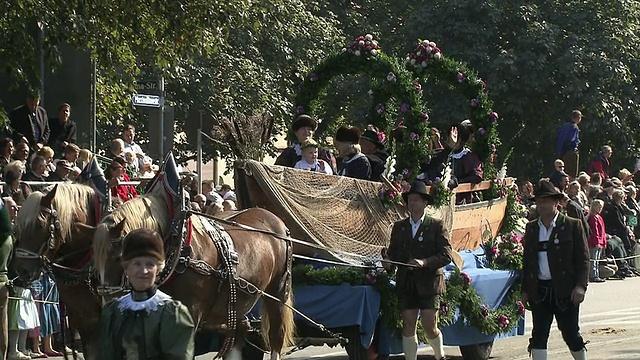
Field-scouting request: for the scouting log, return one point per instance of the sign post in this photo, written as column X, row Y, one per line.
column 199, row 145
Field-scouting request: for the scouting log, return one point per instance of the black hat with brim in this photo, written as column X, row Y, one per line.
column 546, row 189
column 418, row 187
column 372, row 136
column 302, row 121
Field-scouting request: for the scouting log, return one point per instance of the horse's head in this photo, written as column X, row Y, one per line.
column 37, row 228
column 107, row 246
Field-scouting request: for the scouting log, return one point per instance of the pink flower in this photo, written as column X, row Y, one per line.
column 466, row 278
column 475, row 103
column 520, row 307
column 414, row 136
column 424, row 117
column 418, row 87
column 300, row 109
column 503, row 321
column 494, row 116
column 492, row 147
column 494, row 251
column 485, row 310
column 382, row 137
column 460, row 77
column 379, row 108
column 444, row 309
column 482, row 131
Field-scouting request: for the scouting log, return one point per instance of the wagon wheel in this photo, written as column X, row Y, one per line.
column 354, row 347
column 477, row 352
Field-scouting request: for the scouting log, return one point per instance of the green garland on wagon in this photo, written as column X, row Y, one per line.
column 459, row 294
column 427, row 62
column 393, row 82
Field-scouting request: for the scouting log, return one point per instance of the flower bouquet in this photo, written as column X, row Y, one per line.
column 363, row 46
column 425, row 52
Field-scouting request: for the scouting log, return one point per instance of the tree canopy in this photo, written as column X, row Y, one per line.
column 539, row 60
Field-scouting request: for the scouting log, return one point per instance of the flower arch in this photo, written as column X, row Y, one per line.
column 424, row 63
column 393, row 81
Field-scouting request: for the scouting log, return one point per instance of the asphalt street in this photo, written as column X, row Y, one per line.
column 610, row 321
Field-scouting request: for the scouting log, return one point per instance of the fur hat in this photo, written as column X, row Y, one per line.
column 348, row 134
column 143, row 242
column 304, row 120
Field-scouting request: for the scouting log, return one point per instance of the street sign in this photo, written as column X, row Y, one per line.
column 144, row 100
column 147, row 85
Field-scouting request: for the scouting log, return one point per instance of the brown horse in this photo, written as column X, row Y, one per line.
column 47, row 239
column 264, row 260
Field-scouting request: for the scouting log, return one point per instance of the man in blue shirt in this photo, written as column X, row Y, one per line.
column 568, row 141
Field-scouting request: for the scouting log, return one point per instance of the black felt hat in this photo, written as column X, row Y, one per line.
column 419, row 187
column 372, row 136
column 304, row 120
column 546, row 189
column 348, row 134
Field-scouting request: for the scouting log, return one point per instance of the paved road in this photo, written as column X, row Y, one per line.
column 610, row 321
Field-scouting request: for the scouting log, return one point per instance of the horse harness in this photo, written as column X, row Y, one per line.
column 68, row 275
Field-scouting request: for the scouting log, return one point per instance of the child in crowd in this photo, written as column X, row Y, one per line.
column 132, row 163
column 23, row 316
column 310, row 159
column 597, row 239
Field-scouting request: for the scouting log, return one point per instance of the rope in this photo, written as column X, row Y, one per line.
column 32, row 300
column 331, row 262
column 616, row 259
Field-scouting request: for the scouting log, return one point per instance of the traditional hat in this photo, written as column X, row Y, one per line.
column 372, row 136
column 418, row 187
column 546, row 189
column 65, row 164
column 348, row 134
column 142, row 242
column 304, row 120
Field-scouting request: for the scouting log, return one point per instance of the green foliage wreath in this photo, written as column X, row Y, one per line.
column 459, row 295
column 428, row 63
column 394, row 84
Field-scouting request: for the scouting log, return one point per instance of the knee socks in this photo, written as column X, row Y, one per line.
column 410, row 347
column 437, row 343
column 13, row 341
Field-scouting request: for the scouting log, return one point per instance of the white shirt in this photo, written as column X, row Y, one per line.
column 304, row 165
column 416, row 225
column 544, row 271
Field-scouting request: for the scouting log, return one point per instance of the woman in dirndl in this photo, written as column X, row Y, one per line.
column 45, row 289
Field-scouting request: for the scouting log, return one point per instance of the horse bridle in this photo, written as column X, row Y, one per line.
column 112, row 291
column 48, row 246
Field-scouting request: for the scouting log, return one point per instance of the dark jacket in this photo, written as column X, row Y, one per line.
column 61, row 132
column 355, row 166
column 568, row 258
column 434, row 247
column 31, row 176
column 576, row 211
column 288, row 157
column 377, row 162
column 21, row 125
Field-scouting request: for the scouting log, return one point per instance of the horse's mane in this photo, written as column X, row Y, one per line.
column 72, row 203
column 148, row 211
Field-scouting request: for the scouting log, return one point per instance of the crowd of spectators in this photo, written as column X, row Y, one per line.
column 608, row 208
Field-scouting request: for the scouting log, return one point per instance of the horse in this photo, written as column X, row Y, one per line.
column 264, row 260
column 48, row 239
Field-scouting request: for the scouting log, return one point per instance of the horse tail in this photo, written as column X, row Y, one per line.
column 280, row 313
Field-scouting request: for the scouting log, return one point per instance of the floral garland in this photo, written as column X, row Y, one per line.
column 427, row 61
column 459, row 294
column 505, row 252
column 394, row 84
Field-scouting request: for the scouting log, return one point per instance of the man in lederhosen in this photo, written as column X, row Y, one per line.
column 423, row 243
column 555, row 273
